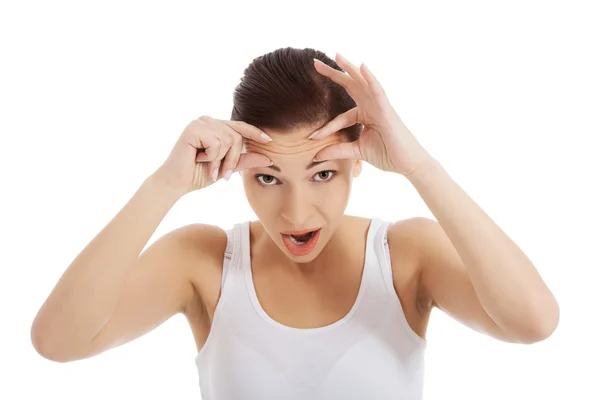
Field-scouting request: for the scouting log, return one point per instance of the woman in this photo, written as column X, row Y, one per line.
column 305, row 302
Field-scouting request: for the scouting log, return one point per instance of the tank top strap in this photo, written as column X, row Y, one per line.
column 227, row 256
column 380, row 238
column 381, row 253
column 371, row 268
column 233, row 252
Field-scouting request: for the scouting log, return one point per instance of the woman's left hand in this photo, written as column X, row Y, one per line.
column 385, row 142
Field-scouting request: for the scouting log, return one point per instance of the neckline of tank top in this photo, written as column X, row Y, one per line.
column 374, row 226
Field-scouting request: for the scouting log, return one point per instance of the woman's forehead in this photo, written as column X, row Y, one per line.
column 292, row 150
column 293, row 142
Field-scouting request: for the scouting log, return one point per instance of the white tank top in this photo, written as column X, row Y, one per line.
column 371, row 353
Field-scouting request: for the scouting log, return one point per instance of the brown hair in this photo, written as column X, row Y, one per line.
column 282, row 91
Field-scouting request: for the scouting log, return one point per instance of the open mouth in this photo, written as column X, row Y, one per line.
column 301, row 239
column 301, row 244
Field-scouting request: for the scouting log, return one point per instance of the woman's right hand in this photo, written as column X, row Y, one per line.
column 209, row 149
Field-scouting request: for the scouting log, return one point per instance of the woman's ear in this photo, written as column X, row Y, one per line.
column 357, row 168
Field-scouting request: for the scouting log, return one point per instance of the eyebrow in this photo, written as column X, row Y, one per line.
column 309, row 166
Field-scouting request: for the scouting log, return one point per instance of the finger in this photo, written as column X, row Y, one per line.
column 246, row 130
column 342, row 121
column 213, row 155
column 232, row 157
column 226, row 143
column 340, row 151
column 252, row 160
column 372, row 80
column 216, row 145
column 210, row 146
column 213, row 169
column 352, row 70
column 339, row 77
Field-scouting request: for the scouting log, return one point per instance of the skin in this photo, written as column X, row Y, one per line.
column 319, row 288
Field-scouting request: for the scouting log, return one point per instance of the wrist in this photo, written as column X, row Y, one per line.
column 162, row 186
column 423, row 169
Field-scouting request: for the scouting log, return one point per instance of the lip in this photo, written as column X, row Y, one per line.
column 299, row 233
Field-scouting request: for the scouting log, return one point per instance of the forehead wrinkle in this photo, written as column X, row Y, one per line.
column 303, row 154
column 286, row 145
column 282, row 151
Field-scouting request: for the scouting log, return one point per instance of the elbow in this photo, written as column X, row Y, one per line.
column 543, row 325
column 44, row 347
column 41, row 345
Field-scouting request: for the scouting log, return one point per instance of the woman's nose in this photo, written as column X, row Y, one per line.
column 297, row 208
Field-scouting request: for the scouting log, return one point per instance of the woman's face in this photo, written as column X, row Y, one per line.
column 295, row 194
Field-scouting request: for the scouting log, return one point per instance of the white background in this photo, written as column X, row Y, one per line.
column 504, row 94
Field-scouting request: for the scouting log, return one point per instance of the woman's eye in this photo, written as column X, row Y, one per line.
column 266, row 180
column 324, row 176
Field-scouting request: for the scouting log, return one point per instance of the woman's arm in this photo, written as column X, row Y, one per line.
column 96, row 283
column 473, row 270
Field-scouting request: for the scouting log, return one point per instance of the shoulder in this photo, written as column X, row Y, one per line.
column 203, row 247
column 186, row 246
column 201, row 239
column 199, row 249
column 411, row 234
column 202, row 244
column 406, row 235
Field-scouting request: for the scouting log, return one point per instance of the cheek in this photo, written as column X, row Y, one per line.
column 337, row 192
column 251, row 190
column 260, row 199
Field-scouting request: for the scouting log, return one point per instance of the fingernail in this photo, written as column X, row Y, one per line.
column 265, row 136
column 215, row 174
column 228, row 175
column 313, row 134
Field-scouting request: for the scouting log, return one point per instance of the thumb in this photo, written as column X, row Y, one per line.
column 252, row 160
column 339, row 151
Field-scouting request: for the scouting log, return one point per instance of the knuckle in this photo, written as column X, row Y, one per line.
column 210, row 157
column 212, row 152
column 193, row 125
column 237, row 139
